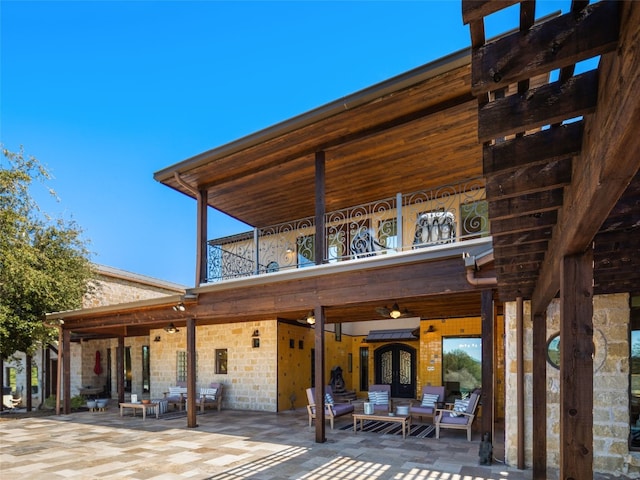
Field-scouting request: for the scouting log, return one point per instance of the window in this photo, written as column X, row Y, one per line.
column 634, row 386
column 181, row 366
column 461, row 364
column 364, row 369
column 221, row 361
column 146, row 369
column 34, row 380
column 128, row 374
column 10, row 378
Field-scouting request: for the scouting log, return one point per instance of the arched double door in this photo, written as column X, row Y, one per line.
column 395, row 365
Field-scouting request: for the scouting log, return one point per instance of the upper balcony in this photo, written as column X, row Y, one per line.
column 417, row 220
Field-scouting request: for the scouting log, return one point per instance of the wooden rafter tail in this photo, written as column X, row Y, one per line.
column 542, row 106
column 477, row 9
column 553, row 44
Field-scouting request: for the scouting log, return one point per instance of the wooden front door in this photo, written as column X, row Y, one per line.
column 395, row 364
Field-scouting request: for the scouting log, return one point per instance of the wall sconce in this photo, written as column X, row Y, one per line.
column 179, row 307
column 431, row 329
column 256, row 333
column 157, row 339
column 171, row 328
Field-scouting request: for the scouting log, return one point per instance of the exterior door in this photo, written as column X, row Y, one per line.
column 395, row 365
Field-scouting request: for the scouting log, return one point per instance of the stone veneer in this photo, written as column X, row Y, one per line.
column 610, row 383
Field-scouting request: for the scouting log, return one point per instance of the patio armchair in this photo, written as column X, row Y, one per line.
column 332, row 410
column 380, row 396
column 432, row 397
column 176, row 396
column 210, row 396
column 460, row 417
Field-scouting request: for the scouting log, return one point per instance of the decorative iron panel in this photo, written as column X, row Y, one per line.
column 386, row 367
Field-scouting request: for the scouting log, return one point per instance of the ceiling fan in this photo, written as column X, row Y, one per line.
column 394, row 311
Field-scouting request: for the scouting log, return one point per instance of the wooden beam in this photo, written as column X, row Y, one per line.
column 541, row 221
column 541, row 106
column 547, row 46
column 576, row 367
column 477, row 9
column 527, row 204
column 120, row 368
column 529, row 179
column 539, row 396
column 522, row 238
column 609, row 159
column 522, row 249
column 543, row 146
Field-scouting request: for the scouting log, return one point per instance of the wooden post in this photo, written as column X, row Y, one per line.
column 576, row 367
column 486, row 309
column 59, row 370
column 520, row 381
column 319, row 374
column 320, row 209
column 539, row 395
column 191, row 373
column 120, row 368
column 28, row 367
column 66, row 375
column 201, row 238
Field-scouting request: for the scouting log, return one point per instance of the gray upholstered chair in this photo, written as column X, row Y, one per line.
column 332, row 410
column 176, row 395
column 380, row 396
column 432, row 397
column 458, row 418
column 210, row 396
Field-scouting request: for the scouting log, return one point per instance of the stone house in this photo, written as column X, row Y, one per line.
column 448, row 204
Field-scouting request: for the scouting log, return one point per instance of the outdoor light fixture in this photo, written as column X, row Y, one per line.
column 311, row 318
column 179, row 307
column 157, row 339
column 171, row 328
column 395, row 311
column 431, row 329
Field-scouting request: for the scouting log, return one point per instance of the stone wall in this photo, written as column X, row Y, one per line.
column 611, row 382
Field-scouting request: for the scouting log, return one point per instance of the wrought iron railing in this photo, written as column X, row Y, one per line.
column 452, row 213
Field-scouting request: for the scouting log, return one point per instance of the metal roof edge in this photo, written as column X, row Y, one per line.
column 137, row 277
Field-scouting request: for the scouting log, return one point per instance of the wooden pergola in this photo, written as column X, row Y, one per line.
column 561, row 166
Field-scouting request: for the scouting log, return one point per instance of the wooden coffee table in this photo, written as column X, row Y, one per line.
column 141, row 406
column 405, row 420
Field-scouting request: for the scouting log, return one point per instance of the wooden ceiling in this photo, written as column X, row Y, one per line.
column 411, row 133
column 560, row 160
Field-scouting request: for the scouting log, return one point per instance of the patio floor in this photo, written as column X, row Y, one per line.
column 229, row 445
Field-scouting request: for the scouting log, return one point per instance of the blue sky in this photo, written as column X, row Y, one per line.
column 106, row 93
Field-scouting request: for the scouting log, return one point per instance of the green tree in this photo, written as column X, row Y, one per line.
column 44, row 263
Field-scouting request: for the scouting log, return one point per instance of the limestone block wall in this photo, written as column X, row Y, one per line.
column 251, row 379
column 611, row 383
column 112, row 290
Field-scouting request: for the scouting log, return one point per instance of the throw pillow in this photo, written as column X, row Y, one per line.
column 460, row 405
column 373, row 397
column 175, row 391
column 209, row 393
column 328, row 398
column 382, row 398
column 429, row 400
